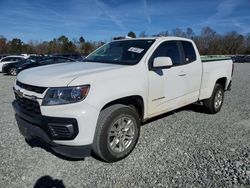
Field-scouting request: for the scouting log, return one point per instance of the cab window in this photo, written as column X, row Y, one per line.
column 168, row 49
column 189, row 52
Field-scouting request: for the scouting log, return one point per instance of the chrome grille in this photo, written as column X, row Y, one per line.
column 28, row 105
column 36, row 89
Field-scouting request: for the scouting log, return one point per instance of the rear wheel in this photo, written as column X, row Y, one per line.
column 13, row 71
column 214, row 103
column 117, row 132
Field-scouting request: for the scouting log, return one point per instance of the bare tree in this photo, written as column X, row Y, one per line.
column 4, row 47
column 143, row 34
column 190, row 33
column 178, row 32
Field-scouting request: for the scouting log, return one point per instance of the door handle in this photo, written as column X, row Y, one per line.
column 182, row 73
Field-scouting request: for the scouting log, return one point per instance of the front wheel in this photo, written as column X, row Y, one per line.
column 117, row 132
column 13, row 71
column 214, row 103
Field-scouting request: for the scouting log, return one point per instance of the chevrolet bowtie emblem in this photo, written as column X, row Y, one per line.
column 33, row 97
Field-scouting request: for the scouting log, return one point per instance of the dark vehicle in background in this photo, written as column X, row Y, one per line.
column 240, row 58
column 11, row 59
column 11, row 68
column 44, row 61
column 72, row 56
column 81, row 58
column 36, row 58
column 76, row 57
column 3, row 55
column 246, row 59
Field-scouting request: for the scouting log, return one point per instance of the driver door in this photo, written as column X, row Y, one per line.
column 167, row 87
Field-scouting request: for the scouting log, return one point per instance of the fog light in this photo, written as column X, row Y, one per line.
column 61, row 131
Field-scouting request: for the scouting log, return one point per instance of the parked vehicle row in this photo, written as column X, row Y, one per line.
column 3, row 55
column 43, row 61
column 11, row 59
column 76, row 57
column 241, row 58
column 12, row 65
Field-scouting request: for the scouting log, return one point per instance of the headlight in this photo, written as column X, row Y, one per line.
column 65, row 95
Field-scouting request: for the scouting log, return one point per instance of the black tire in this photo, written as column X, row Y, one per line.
column 107, row 119
column 13, row 71
column 211, row 105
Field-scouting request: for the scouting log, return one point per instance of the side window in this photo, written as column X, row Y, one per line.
column 189, row 52
column 168, row 49
column 17, row 59
column 7, row 59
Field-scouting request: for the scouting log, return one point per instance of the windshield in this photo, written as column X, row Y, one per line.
column 127, row 52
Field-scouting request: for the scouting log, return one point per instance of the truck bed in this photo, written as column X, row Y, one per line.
column 220, row 68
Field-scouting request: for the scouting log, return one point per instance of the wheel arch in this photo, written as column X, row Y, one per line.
column 222, row 81
column 134, row 100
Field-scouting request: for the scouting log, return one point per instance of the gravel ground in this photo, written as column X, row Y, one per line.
column 186, row 148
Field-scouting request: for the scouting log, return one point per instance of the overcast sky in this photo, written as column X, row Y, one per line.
column 103, row 19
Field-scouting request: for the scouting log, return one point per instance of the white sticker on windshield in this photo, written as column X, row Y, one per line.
column 136, row 50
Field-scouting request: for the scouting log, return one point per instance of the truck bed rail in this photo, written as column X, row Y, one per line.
column 210, row 58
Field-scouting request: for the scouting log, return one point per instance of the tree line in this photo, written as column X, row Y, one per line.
column 60, row 45
column 208, row 41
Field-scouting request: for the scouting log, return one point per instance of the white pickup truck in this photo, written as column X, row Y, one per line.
column 97, row 106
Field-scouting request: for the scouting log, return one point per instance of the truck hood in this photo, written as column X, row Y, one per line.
column 60, row 75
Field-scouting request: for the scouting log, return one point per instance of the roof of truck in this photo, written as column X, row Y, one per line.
column 156, row 38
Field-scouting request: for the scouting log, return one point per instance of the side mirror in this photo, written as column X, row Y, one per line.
column 162, row 62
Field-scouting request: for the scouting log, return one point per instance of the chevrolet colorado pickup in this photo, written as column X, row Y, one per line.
column 97, row 106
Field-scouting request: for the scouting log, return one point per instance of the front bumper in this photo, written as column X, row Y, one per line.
column 38, row 127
